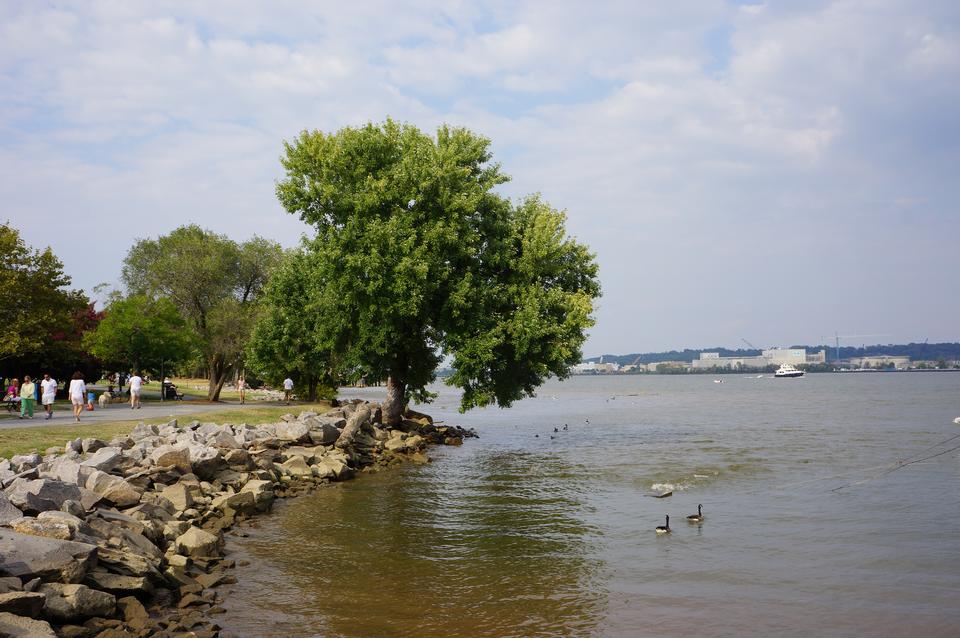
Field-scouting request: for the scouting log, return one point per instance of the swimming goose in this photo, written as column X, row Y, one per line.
column 698, row 517
column 664, row 529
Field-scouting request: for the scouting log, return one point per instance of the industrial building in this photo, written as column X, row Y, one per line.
column 771, row 357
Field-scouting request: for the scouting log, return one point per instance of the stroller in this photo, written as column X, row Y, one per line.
column 171, row 393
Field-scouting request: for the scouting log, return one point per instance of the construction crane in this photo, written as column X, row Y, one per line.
column 838, row 337
column 749, row 344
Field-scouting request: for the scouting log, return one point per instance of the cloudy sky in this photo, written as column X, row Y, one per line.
column 770, row 171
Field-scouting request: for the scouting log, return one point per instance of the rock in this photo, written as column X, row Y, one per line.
column 206, row 460
column 71, row 602
column 117, row 584
column 10, row 583
column 179, row 495
column 222, row 439
column 104, row 459
column 22, row 603
column 176, row 455
column 296, row 466
column 238, row 457
column 20, row 627
column 293, row 431
column 8, row 512
column 262, row 491
column 131, row 609
column 241, row 502
column 326, row 432
column 40, row 495
column 23, row 462
column 334, row 468
column 73, row 508
column 144, row 431
column 128, row 563
column 51, row 559
column 47, row 528
column 92, row 445
column 64, row 469
column 195, row 542
column 113, row 488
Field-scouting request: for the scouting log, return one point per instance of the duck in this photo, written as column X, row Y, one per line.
column 664, row 529
column 698, row 517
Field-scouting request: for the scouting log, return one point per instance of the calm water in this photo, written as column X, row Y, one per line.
column 517, row 535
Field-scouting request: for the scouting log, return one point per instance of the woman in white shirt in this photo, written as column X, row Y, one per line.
column 78, row 392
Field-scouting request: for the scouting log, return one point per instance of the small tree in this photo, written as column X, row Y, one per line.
column 285, row 339
column 141, row 333
column 214, row 283
column 416, row 257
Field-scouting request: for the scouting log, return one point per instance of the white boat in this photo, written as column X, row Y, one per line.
column 786, row 371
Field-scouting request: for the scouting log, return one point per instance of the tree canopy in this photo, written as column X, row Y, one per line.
column 38, row 313
column 416, row 257
column 285, row 340
column 213, row 281
column 142, row 333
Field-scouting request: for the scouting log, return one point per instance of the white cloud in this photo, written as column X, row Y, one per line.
column 690, row 164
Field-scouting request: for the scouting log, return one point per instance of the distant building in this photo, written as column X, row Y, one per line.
column 771, row 357
column 882, row 361
column 592, row 367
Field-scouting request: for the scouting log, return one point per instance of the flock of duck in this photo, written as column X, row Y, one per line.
column 693, row 518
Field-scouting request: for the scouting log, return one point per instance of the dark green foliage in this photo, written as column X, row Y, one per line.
column 416, row 257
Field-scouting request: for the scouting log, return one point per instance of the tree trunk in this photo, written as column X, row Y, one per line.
column 218, row 376
column 312, row 389
column 395, row 403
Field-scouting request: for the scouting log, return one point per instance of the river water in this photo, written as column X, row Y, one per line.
column 527, row 532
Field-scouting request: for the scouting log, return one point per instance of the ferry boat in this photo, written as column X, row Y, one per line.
column 786, row 371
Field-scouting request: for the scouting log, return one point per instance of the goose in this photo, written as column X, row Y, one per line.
column 664, row 529
column 698, row 517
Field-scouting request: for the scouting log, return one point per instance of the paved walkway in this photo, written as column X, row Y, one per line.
column 62, row 414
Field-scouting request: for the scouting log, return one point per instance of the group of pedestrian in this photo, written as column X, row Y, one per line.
column 25, row 394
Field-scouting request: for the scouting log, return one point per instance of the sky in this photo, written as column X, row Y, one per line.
column 774, row 172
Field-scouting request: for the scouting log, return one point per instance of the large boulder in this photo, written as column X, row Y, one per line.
column 23, row 462
column 239, row 502
column 293, row 431
column 73, row 602
column 40, row 495
column 144, row 431
column 104, row 459
column 22, row 627
column 223, row 439
column 206, row 460
column 118, row 584
column 46, row 528
column 64, row 469
column 113, row 488
column 325, row 431
column 47, row 558
column 176, row 455
column 296, row 466
column 8, row 512
column 332, row 468
column 262, row 491
column 22, row 603
column 178, row 494
column 196, row 542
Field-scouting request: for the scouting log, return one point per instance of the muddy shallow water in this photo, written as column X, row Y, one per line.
column 527, row 532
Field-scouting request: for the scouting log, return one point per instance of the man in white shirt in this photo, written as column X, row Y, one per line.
column 136, row 382
column 287, row 389
column 48, row 392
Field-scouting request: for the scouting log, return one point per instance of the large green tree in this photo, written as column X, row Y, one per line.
column 285, row 339
column 416, row 257
column 142, row 333
column 214, row 283
column 36, row 308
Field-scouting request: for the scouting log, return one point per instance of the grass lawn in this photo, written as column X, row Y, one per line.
column 23, row 440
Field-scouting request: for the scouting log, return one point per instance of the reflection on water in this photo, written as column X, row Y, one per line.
column 527, row 532
column 494, row 546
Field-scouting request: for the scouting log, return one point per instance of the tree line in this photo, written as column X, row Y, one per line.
column 416, row 260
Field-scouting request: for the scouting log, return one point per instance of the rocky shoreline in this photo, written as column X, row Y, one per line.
column 125, row 538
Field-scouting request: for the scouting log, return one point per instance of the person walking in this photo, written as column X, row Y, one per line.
column 136, row 382
column 241, row 387
column 28, row 397
column 77, row 392
column 287, row 389
column 48, row 393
